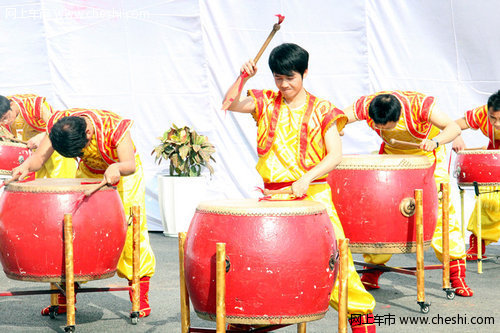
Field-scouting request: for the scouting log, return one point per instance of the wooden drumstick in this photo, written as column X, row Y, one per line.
column 96, row 188
column 14, row 139
column 406, row 143
column 282, row 191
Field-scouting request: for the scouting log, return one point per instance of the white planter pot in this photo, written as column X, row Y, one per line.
column 178, row 198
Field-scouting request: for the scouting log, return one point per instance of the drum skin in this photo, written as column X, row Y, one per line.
column 367, row 191
column 12, row 154
column 282, row 260
column 31, row 230
column 481, row 166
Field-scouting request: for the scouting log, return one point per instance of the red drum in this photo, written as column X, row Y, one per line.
column 281, row 256
column 482, row 166
column 373, row 195
column 31, row 230
column 12, row 154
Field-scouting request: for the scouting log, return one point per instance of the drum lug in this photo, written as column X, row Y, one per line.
column 456, row 173
column 20, row 159
column 333, row 259
column 407, row 207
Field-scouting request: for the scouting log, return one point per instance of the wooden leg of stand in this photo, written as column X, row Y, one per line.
column 343, row 273
column 220, row 287
column 136, row 262
column 70, row 281
column 462, row 217
column 185, row 314
column 445, row 189
column 420, row 246
column 53, row 297
column 301, row 328
column 479, row 238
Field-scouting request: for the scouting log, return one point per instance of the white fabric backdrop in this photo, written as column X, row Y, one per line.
column 160, row 62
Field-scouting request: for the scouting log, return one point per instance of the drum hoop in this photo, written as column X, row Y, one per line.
column 264, row 320
column 5, row 172
column 479, row 152
column 13, row 144
column 479, row 184
column 374, row 162
column 312, row 208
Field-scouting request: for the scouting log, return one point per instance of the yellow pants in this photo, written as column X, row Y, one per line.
column 57, row 166
column 359, row 300
column 490, row 216
column 132, row 191
column 457, row 243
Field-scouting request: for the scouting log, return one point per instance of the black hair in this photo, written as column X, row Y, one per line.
column 288, row 58
column 4, row 105
column 69, row 137
column 384, row 108
column 494, row 102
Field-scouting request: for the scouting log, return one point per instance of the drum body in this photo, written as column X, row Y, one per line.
column 482, row 166
column 12, row 154
column 282, row 259
column 31, row 230
column 372, row 195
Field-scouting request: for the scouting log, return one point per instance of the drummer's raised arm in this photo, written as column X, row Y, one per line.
column 349, row 112
column 459, row 143
column 449, row 129
column 245, row 104
column 35, row 161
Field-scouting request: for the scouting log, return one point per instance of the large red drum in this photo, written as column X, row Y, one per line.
column 12, row 154
column 31, row 230
column 282, row 259
column 373, row 198
column 482, row 166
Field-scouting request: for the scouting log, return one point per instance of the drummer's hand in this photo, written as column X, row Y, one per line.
column 428, row 145
column 112, row 174
column 299, row 187
column 458, row 144
column 20, row 172
column 34, row 142
column 249, row 67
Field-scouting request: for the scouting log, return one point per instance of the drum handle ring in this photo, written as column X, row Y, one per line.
column 456, row 173
column 228, row 264
column 407, row 207
column 20, row 159
column 333, row 259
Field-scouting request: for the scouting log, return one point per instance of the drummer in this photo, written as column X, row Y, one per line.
column 26, row 116
column 102, row 142
column 414, row 117
column 487, row 119
column 291, row 157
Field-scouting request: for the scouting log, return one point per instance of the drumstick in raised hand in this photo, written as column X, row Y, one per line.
column 406, row 143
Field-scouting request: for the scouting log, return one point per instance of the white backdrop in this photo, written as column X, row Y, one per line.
column 160, row 62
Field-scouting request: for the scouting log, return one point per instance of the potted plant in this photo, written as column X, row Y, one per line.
column 183, row 188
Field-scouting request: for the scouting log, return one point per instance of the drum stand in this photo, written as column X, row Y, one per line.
column 479, row 253
column 69, row 290
column 220, row 283
column 418, row 271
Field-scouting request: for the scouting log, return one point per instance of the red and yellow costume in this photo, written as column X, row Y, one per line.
column 290, row 143
column 414, row 126
column 109, row 130
column 30, row 122
column 490, row 202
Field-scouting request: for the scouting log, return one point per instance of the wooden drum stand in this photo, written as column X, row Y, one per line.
column 69, row 290
column 220, row 282
column 418, row 271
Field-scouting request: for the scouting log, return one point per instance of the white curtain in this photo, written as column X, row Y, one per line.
column 160, row 62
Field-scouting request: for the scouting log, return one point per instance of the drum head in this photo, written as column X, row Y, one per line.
column 56, row 185
column 384, row 162
column 259, row 208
